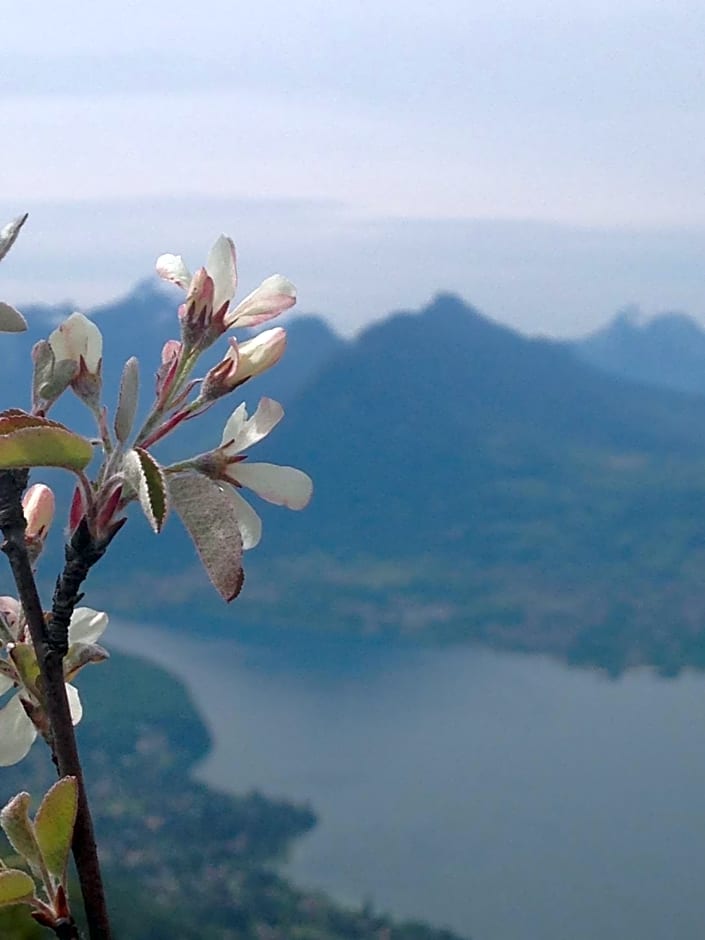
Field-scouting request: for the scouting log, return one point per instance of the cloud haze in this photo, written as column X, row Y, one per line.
column 538, row 277
column 372, row 135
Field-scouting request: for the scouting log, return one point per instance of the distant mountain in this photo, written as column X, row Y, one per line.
column 668, row 350
column 471, row 484
column 431, row 422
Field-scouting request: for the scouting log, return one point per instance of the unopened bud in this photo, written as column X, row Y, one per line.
column 171, row 356
column 79, row 340
column 196, row 313
column 243, row 361
column 261, row 353
column 38, row 506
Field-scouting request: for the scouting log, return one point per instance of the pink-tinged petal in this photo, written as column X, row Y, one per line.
column 75, row 706
column 261, row 352
column 17, row 733
column 172, row 268
column 171, row 349
column 38, row 507
column 283, row 486
column 222, row 267
column 77, row 510
column 272, row 297
column 87, row 625
column 200, row 290
column 268, row 414
column 249, row 523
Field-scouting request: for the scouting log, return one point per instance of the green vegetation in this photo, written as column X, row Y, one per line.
column 182, row 860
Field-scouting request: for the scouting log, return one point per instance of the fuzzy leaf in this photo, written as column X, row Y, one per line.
column 16, row 824
column 147, row 479
column 11, row 320
column 50, row 378
column 9, row 233
column 15, row 887
column 127, row 400
column 53, row 825
column 29, row 441
column 208, row 513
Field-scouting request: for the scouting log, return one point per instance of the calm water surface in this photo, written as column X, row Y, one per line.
column 507, row 797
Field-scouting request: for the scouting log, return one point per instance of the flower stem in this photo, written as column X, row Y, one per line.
column 50, row 660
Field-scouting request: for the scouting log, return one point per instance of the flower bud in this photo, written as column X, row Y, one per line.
column 196, row 313
column 38, row 507
column 171, row 357
column 243, row 361
column 260, row 353
column 79, row 340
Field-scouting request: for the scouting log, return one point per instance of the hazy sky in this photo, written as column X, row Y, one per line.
column 546, row 160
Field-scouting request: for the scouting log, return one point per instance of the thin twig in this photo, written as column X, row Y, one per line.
column 50, row 660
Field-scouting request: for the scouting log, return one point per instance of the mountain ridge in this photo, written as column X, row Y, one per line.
column 471, row 484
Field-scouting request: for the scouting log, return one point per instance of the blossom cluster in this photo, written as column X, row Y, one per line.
column 73, row 357
column 202, row 489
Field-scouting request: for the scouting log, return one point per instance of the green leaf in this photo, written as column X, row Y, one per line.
column 208, row 512
column 15, row 887
column 147, row 479
column 29, row 441
column 53, row 825
column 127, row 400
column 16, row 824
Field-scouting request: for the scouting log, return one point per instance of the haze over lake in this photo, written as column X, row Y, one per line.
column 507, row 797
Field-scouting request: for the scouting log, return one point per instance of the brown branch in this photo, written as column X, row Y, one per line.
column 50, row 660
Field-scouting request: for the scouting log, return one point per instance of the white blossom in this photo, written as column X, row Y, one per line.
column 274, row 295
column 283, row 486
column 17, row 731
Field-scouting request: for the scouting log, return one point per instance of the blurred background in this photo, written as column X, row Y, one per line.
column 461, row 695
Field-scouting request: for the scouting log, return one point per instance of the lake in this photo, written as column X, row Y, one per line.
column 508, row 797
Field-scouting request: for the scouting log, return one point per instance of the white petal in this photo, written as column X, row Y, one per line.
column 267, row 416
column 17, row 733
column 78, row 336
column 60, row 345
column 93, row 339
column 248, row 522
column 172, row 268
column 261, row 352
column 87, row 625
column 274, row 295
column 222, row 267
column 283, row 486
column 6, row 683
column 11, row 320
column 75, row 706
column 234, row 425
